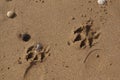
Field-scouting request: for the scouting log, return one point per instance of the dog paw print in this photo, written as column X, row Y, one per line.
column 85, row 35
column 37, row 52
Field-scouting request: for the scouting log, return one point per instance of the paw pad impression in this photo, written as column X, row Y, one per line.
column 85, row 35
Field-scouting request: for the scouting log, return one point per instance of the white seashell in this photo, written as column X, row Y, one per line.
column 11, row 14
column 101, row 2
column 38, row 47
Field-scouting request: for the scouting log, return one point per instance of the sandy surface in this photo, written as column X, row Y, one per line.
column 83, row 38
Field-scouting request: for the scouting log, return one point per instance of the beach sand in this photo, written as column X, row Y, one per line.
column 79, row 39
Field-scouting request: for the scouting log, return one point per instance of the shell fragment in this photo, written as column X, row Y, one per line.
column 11, row 14
column 101, row 2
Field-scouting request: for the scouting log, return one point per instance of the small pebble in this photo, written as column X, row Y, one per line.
column 11, row 14
column 101, row 2
column 25, row 37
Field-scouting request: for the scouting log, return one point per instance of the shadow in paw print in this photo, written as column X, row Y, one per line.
column 78, row 38
column 82, row 44
column 90, row 41
column 30, row 49
column 42, row 56
column 88, row 28
column 79, row 30
column 29, row 56
column 36, row 57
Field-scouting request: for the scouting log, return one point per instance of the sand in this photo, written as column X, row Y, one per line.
column 80, row 40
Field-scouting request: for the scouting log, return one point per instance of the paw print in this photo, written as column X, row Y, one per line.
column 37, row 52
column 85, row 35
